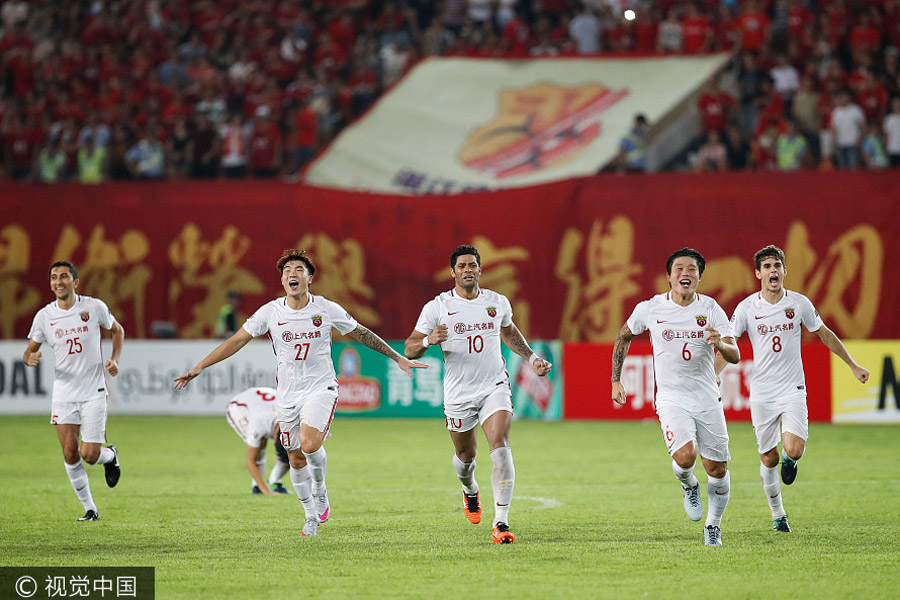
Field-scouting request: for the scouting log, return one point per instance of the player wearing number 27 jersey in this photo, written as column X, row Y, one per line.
column 772, row 318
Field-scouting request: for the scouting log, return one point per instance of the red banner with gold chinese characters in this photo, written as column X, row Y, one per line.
column 573, row 257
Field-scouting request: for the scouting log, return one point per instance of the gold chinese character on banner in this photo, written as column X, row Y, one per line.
column 341, row 275
column 17, row 299
column 111, row 270
column 210, row 266
column 598, row 272
column 845, row 285
column 498, row 273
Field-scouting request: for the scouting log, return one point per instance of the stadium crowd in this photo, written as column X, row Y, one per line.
column 92, row 90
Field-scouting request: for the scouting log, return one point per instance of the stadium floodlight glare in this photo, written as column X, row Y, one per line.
column 629, row 15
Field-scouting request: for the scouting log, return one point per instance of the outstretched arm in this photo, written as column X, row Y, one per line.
column 837, row 347
column 726, row 346
column 620, row 351
column 371, row 340
column 221, row 352
column 514, row 339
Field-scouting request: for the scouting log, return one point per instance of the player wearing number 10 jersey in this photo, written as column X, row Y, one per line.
column 469, row 322
column 71, row 326
column 299, row 325
column 772, row 318
column 685, row 329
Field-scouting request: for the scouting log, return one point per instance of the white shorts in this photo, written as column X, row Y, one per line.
column 771, row 419
column 90, row 414
column 464, row 416
column 707, row 429
column 316, row 410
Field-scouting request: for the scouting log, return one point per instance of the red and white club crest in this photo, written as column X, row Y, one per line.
column 701, row 321
column 317, row 320
column 85, row 316
column 287, row 336
column 789, row 313
column 492, row 311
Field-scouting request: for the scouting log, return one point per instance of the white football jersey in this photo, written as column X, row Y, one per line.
column 301, row 340
column 74, row 335
column 473, row 364
column 774, row 332
column 683, row 363
column 253, row 414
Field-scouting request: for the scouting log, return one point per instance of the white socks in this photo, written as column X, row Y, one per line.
column 303, row 488
column 772, row 488
column 316, row 462
column 718, row 490
column 278, row 472
column 79, row 479
column 106, row 456
column 685, row 476
column 466, row 474
column 503, row 480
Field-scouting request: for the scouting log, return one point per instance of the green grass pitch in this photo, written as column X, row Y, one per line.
column 597, row 513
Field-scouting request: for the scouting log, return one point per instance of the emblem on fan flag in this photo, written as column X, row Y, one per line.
column 701, row 321
column 789, row 313
column 492, row 311
column 538, row 127
column 317, row 320
column 85, row 316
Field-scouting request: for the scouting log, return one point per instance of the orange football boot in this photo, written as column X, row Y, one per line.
column 502, row 534
column 472, row 507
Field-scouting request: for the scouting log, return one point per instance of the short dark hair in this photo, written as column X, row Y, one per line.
column 769, row 251
column 65, row 263
column 690, row 253
column 293, row 254
column 462, row 251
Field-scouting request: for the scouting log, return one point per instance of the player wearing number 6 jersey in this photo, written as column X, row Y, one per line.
column 772, row 318
column 685, row 329
column 469, row 323
column 71, row 326
column 299, row 325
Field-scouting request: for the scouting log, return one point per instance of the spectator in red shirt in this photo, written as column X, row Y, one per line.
column 716, row 107
column 19, row 145
column 754, row 27
column 696, row 31
column 265, row 145
column 305, row 133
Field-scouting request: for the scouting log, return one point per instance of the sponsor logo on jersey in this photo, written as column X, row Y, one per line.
column 317, row 320
column 701, row 320
column 85, row 316
column 764, row 329
column 670, row 335
column 59, row 333
column 789, row 313
column 287, row 336
column 492, row 311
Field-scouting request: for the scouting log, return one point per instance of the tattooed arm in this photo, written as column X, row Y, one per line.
column 371, row 340
column 620, row 351
column 514, row 339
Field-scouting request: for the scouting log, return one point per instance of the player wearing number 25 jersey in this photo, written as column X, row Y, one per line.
column 686, row 329
column 300, row 327
column 72, row 326
column 772, row 318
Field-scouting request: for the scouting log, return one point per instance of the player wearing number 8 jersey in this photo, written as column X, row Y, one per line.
column 469, row 322
column 685, row 329
column 299, row 325
column 772, row 318
column 71, row 326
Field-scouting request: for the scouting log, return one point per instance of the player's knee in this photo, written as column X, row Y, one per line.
column 770, row 458
column 90, row 455
column 717, row 469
